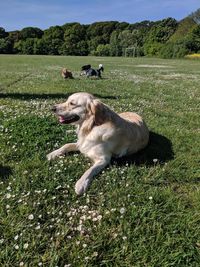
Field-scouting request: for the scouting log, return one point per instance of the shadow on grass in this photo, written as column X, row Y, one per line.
column 14, row 82
column 5, row 172
column 159, row 150
column 28, row 96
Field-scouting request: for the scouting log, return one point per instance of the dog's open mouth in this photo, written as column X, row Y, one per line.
column 69, row 119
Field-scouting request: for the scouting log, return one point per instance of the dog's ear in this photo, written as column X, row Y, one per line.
column 97, row 114
column 98, row 111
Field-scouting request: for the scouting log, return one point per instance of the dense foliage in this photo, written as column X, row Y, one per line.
column 166, row 38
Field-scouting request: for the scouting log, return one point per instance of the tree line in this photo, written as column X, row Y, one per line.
column 167, row 38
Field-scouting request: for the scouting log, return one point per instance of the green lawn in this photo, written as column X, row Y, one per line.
column 143, row 210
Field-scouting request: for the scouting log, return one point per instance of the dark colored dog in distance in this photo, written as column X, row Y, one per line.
column 89, row 72
column 66, row 74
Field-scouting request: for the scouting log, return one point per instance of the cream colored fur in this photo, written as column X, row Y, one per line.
column 102, row 134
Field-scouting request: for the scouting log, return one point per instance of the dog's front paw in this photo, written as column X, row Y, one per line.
column 81, row 186
column 53, row 155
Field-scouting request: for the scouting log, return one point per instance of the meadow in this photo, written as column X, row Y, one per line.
column 142, row 210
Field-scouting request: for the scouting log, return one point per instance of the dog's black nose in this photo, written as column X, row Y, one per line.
column 53, row 109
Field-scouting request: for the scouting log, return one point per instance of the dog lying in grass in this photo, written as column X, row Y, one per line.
column 102, row 133
column 90, row 72
column 96, row 73
column 66, row 74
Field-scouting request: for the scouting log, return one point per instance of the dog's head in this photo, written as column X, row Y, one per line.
column 82, row 108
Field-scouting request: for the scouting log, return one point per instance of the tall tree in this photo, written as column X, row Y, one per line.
column 30, row 32
column 115, row 45
column 158, row 35
column 53, row 39
column 75, row 40
column 54, row 32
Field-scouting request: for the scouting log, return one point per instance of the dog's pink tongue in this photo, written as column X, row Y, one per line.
column 61, row 119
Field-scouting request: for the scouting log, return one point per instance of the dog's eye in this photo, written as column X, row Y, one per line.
column 72, row 103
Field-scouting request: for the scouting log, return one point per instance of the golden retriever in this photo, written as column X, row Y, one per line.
column 102, row 133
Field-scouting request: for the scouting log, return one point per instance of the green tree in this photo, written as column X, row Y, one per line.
column 54, row 32
column 176, row 49
column 75, row 34
column 159, row 34
column 103, row 50
column 99, row 33
column 6, row 46
column 75, row 40
column 128, row 39
column 14, row 36
column 183, row 29
column 50, row 42
column 115, row 46
column 121, row 26
column 194, row 39
column 3, row 33
column 101, row 28
column 30, row 32
column 94, row 42
column 82, row 48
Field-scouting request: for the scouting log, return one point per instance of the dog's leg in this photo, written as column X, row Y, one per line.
column 83, row 183
column 62, row 150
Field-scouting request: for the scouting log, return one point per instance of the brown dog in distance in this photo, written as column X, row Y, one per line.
column 66, row 74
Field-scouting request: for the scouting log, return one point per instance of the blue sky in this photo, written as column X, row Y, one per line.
column 17, row 14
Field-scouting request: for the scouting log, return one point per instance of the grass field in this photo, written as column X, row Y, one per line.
column 140, row 211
